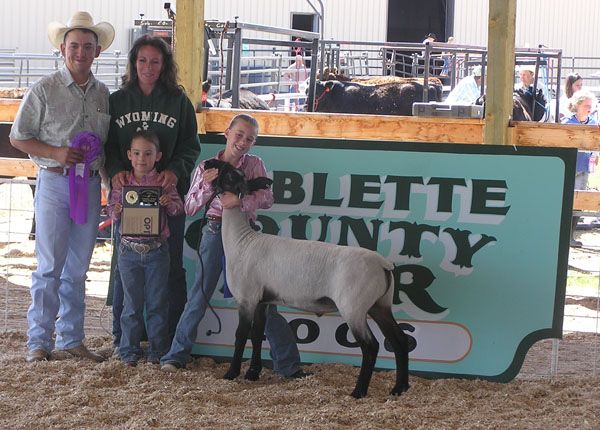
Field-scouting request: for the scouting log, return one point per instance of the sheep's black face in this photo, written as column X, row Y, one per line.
column 230, row 179
column 233, row 180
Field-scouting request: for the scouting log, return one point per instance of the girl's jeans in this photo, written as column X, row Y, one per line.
column 284, row 352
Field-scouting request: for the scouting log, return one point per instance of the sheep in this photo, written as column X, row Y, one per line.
column 310, row 275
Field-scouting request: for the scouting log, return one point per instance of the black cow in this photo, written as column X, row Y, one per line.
column 391, row 98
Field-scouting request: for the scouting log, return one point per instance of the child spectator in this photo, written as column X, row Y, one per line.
column 580, row 104
column 144, row 263
column 241, row 135
column 573, row 83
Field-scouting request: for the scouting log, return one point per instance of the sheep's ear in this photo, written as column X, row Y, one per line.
column 260, row 183
column 213, row 163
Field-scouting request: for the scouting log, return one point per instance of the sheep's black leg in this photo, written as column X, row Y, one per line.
column 246, row 314
column 258, row 331
column 369, row 347
column 393, row 333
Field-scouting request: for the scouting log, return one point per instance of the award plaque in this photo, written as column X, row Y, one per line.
column 141, row 211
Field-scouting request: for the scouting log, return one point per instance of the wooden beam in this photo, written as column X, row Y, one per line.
column 347, row 126
column 500, row 70
column 562, row 135
column 189, row 46
column 8, row 109
column 17, row 167
column 586, row 201
column 394, row 128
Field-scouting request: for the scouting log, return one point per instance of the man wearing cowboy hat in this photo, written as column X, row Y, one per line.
column 526, row 75
column 534, row 99
column 54, row 110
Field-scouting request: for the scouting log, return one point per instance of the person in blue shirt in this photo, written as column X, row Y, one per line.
column 581, row 106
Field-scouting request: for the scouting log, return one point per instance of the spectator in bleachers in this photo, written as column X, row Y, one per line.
column 447, row 57
column 468, row 90
column 535, row 98
column 580, row 105
column 431, row 37
column 295, row 74
column 573, row 83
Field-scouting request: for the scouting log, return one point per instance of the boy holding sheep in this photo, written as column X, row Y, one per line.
column 240, row 137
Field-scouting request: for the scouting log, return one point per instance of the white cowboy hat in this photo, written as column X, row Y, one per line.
column 104, row 31
column 527, row 67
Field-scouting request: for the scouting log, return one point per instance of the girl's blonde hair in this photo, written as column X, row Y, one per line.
column 579, row 97
column 246, row 118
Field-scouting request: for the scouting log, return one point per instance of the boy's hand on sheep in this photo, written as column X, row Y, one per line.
column 229, row 200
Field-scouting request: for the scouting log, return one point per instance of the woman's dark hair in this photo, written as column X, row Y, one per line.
column 168, row 75
column 571, row 79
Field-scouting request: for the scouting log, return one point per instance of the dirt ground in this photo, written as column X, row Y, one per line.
column 68, row 393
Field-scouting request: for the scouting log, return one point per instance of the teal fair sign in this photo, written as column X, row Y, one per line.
column 478, row 234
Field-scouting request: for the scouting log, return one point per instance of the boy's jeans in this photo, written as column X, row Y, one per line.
column 176, row 284
column 144, row 277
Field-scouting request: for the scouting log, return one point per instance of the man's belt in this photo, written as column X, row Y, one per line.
column 65, row 171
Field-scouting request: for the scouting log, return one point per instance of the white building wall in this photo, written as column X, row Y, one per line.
column 23, row 24
column 572, row 27
column 470, row 22
column 24, row 28
column 344, row 20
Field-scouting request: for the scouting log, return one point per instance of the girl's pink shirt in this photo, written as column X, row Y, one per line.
column 201, row 191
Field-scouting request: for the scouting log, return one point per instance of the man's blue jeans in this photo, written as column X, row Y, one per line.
column 144, row 277
column 284, row 351
column 64, row 250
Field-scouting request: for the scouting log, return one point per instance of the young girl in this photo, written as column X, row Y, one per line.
column 241, row 135
column 144, row 263
column 573, row 83
column 581, row 106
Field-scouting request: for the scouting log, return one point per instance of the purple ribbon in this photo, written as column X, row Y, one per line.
column 90, row 145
